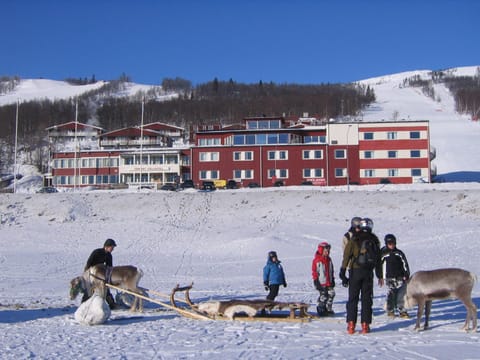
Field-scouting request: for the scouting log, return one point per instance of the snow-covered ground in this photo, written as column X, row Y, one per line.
column 220, row 240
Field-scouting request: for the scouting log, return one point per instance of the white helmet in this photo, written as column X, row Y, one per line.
column 366, row 224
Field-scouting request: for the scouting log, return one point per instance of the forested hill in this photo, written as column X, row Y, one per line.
column 118, row 103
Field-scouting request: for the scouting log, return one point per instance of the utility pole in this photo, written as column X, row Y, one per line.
column 348, row 168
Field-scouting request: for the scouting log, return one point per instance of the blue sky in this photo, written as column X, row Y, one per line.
column 307, row 42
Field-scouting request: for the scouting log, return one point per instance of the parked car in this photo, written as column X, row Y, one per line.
column 146, row 187
column 169, row 187
column 278, row 183
column 208, row 186
column 48, row 190
column 188, row 184
column 232, row 184
column 253, row 184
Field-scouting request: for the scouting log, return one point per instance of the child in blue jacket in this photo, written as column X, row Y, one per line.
column 273, row 276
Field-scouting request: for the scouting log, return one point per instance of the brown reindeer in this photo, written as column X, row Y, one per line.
column 126, row 277
column 425, row 286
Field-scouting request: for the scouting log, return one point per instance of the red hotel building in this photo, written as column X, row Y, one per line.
column 273, row 151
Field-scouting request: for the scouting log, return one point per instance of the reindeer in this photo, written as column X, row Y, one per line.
column 425, row 286
column 126, row 277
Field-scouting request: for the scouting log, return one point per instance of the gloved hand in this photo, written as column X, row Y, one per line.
column 285, row 284
column 316, row 283
column 343, row 277
column 267, row 288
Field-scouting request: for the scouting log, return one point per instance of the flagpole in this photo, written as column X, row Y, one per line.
column 75, row 149
column 16, row 142
column 141, row 142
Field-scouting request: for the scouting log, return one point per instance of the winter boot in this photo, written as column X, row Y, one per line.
column 404, row 315
column 330, row 312
column 321, row 311
column 351, row 327
column 365, row 328
column 391, row 313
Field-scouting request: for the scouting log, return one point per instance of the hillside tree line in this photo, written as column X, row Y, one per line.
column 214, row 102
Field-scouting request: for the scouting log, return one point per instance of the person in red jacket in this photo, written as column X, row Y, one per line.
column 323, row 279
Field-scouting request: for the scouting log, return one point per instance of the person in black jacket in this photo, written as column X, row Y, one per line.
column 360, row 280
column 396, row 272
column 103, row 256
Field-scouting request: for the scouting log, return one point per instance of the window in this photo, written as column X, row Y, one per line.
column 208, row 174
column 278, row 155
column 238, row 139
column 243, row 174
column 415, row 153
column 259, row 139
column 279, row 173
column 314, row 139
column 312, row 154
column 313, row 173
column 209, row 156
column 414, row 134
column 340, row 172
column 209, row 142
column 392, row 154
column 173, row 159
column 243, row 155
column 340, row 154
column 264, row 124
column 368, row 154
column 392, row 135
column 369, row 173
column 392, row 172
column 416, row 172
column 156, row 159
column 368, row 136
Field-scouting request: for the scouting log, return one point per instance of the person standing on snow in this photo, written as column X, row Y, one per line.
column 103, row 256
column 323, row 279
column 363, row 254
column 354, row 228
column 273, row 276
column 396, row 272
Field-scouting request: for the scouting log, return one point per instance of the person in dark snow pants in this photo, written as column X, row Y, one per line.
column 396, row 273
column 273, row 276
column 360, row 280
column 103, row 256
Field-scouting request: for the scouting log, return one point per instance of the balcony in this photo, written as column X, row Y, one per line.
column 132, row 143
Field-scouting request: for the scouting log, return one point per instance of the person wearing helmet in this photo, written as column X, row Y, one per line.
column 103, row 256
column 324, row 279
column 354, row 227
column 363, row 255
column 396, row 272
column 273, row 275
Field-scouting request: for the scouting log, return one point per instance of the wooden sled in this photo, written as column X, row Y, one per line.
column 245, row 310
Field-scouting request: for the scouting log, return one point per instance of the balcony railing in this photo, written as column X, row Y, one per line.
column 133, row 143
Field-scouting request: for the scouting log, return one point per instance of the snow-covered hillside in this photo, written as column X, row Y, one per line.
column 43, row 89
column 454, row 136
